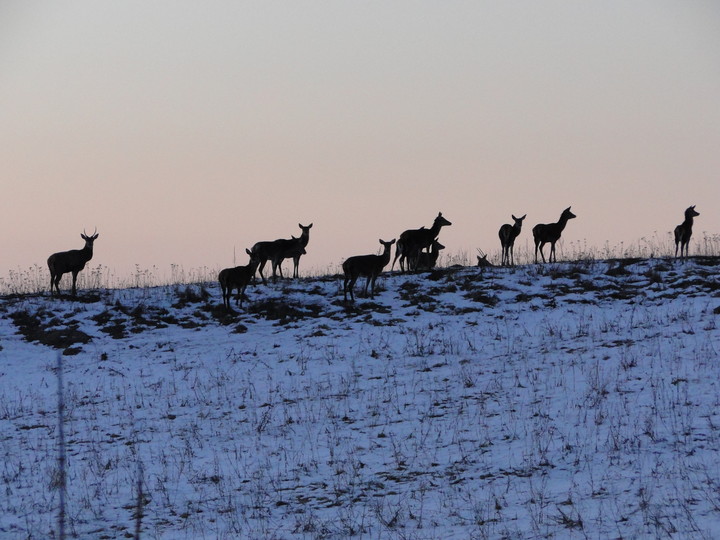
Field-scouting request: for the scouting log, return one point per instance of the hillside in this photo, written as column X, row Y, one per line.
column 570, row 400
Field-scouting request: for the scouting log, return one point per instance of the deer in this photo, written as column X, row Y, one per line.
column 550, row 232
column 508, row 233
column 70, row 261
column 369, row 266
column 482, row 260
column 304, row 239
column 278, row 250
column 683, row 232
column 413, row 241
column 237, row 278
column 429, row 260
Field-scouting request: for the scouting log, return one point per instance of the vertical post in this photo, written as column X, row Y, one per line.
column 62, row 479
column 139, row 502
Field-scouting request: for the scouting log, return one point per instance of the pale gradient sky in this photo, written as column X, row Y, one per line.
column 184, row 130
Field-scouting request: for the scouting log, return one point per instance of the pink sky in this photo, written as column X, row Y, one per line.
column 185, row 131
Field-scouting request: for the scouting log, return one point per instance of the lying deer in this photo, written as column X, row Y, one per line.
column 683, row 232
column 70, row 261
column 508, row 233
column 277, row 251
column 550, row 232
column 428, row 261
column 482, row 260
column 369, row 266
column 413, row 241
column 237, row 278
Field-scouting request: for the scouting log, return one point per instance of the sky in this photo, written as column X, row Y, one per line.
column 185, row 132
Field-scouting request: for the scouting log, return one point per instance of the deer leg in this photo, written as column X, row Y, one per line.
column 74, row 289
column 397, row 254
column 542, row 244
column 241, row 293
column 260, row 269
column 353, row 279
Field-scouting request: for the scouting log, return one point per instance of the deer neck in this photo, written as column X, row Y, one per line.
column 305, row 237
column 435, row 229
column 87, row 251
column 561, row 224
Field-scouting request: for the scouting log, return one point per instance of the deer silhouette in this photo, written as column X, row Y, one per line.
column 413, row 241
column 237, row 278
column 508, row 233
column 276, row 251
column 369, row 266
column 429, row 260
column 482, row 260
column 303, row 241
column 683, row 232
column 70, row 261
column 550, row 232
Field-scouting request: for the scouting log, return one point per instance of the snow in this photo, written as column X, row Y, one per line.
column 571, row 400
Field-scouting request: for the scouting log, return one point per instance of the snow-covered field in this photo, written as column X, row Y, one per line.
column 572, row 400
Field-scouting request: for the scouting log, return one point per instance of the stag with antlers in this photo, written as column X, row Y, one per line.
column 70, row 261
column 482, row 260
